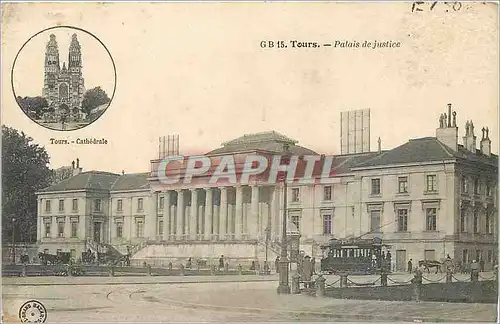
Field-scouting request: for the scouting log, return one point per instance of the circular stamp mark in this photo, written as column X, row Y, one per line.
column 64, row 87
column 33, row 311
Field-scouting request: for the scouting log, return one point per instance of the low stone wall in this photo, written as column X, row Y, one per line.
column 32, row 270
column 462, row 292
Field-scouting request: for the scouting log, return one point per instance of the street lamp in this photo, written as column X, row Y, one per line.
column 284, row 287
column 13, row 240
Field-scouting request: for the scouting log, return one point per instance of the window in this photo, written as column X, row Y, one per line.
column 431, row 183
column 327, row 193
column 489, row 223
column 161, row 203
column 139, row 228
column 47, row 206
column 477, row 187
column 160, row 227
column 47, row 230
column 75, row 205
column 296, row 220
column 60, row 228
column 46, row 251
column 375, row 220
column 295, row 195
column 119, row 230
column 119, row 205
column 61, row 205
column 72, row 253
column 375, row 186
column 430, row 255
column 490, row 256
column 402, row 220
column 478, row 255
column 476, row 222
column 97, row 205
column 140, row 204
column 463, row 221
column 488, row 188
column 327, row 224
column 465, row 185
column 431, row 219
column 74, row 229
column 403, row 184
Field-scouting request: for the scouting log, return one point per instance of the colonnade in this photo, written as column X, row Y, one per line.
column 219, row 213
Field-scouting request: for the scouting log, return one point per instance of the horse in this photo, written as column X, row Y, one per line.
column 428, row 264
column 46, row 258
column 25, row 259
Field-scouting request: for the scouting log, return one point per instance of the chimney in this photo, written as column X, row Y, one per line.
column 447, row 133
column 485, row 142
column 379, row 145
column 76, row 170
column 72, row 165
column 469, row 138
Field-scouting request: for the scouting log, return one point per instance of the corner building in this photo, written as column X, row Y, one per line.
column 427, row 198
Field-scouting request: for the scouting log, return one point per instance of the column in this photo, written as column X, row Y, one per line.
column 208, row 213
column 180, row 215
column 193, row 215
column 67, row 227
column 238, row 221
column 173, row 213
column 53, row 227
column 223, row 213
column 150, row 220
column 254, row 213
column 39, row 222
column 39, row 228
column 166, row 216
column 274, row 205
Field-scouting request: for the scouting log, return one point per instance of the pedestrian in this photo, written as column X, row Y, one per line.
column 474, row 271
column 410, row 266
column 221, row 262
column 277, row 264
column 313, row 265
column 481, row 265
column 307, row 271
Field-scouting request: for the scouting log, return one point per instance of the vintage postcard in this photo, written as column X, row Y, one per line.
column 250, row 162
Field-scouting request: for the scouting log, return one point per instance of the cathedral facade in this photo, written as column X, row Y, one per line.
column 63, row 86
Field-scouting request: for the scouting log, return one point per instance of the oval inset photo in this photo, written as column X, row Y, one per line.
column 63, row 78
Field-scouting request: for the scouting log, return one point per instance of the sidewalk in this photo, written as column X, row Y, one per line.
column 126, row 280
column 264, row 298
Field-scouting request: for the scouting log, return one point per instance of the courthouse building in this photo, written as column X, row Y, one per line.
column 426, row 198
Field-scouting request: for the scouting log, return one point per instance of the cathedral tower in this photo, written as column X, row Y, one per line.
column 64, row 87
column 51, row 70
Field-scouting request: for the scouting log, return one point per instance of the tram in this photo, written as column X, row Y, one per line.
column 356, row 256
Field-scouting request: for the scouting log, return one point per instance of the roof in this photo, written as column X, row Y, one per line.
column 132, row 181
column 426, row 149
column 344, row 163
column 97, row 180
column 271, row 141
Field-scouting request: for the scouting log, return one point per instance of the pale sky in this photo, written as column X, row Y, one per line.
column 29, row 68
column 198, row 70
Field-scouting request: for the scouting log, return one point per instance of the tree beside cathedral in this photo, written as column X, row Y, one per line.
column 92, row 100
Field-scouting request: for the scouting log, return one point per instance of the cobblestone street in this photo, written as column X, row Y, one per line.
column 180, row 299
